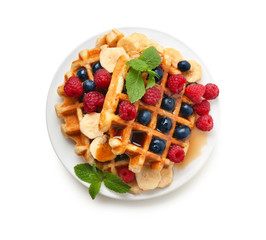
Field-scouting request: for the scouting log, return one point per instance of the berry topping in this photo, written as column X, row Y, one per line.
column 182, row 132
column 96, row 66
column 102, row 79
column 168, row 104
column 121, row 157
column 164, row 124
column 191, row 83
column 152, row 96
column 157, row 145
column 88, row 86
column 183, row 66
column 176, row 154
column 144, row 117
column 195, row 92
column 126, row 175
column 127, row 111
column 211, row 92
column 205, row 123
column 176, row 83
column 82, row 74
column 93, row 101
column 159, row 71
column 186, row 110
column 73, row 87
column 202, row 108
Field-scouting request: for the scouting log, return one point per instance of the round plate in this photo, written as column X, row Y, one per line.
column 64, row 148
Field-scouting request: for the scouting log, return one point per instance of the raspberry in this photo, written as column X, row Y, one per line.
column 205, row 122
column 127, row 111
column 102, row 79
column 176, row 83
column 211, row 92
column 202, row 108
column 152, row 96
column 73, row 87
column 195, row 92
column 126, row 175
column 93, row 101
column 176, row 154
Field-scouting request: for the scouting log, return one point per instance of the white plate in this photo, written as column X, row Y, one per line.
column 64, row 147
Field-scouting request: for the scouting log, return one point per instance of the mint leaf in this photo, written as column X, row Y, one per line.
column 138, row 65
column 151, row 81
column 151, row 57
column 94, row 189
column 115, row 183
column 86, row 173
column 135, row 85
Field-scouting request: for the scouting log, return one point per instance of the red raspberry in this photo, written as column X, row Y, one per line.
column 202, row 108
column 73, row 87
column 127, row 111
column 93, row 101
column 152, row 96
column 126, row 175
column 102, row 79
column 176, row 154
column 176, row 83
column 195, row 92
column 211, row 92
column 205, row 122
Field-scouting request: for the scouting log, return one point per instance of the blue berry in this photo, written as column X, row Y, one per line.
column 88, row 86
column 168, row 104
column 183, row 66
column 96, row 66
column 157, row 145
column 159, row 71
column 164, row 124
column 82, row 74
column 182, row 132
column 186, row 110
column 144, row 117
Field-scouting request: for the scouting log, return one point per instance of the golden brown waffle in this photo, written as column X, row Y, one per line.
column 133, row 138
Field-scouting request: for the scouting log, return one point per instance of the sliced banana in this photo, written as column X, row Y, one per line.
column 129, row 44
column 166, row 177
column 113, row 37
column 147, row 178
column 101, row 41
column 174, row 55
column 89, row 125
column 109, row 57
column 194, row 73
column 159, row 47
column 101, row 150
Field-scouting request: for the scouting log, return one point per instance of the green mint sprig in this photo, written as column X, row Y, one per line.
column 94, row 176
column 147, row 61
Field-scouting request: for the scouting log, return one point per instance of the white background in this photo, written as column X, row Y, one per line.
column 41, row 200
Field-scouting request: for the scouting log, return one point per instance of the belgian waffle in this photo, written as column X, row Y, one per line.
column 133, row 138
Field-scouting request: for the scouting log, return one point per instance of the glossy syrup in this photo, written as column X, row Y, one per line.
column 117, row 131
column 138, row 138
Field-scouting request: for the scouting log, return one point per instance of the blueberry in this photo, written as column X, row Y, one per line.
column 144, row 117
column 96, row 66
column 82, row 74
column 164, row 124
column 182, row 132
column 121, row 157
column 168, row 104
column 159, row 71
column 183, row 66
column 88, row 86
column 186, row 110
column 192, row 83
column 157, row 145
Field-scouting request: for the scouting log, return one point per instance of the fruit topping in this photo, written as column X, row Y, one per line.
column 182, row 132
column 126, row 175
column 127, row 111
column 202, row 108
column 73, row 87
column 168, row 104
column 183, row 66
column 159, row 71
column 82, row 74
column 186, row 110
column 192, row 83
column 176, row 154
column 164, row 124
column 211, row 92
column 157, row 145
column 205, row 122
column 176, row 83
column 195, row 92
column 152, row 96
column 96, row 66
column 102, row 79
column 88, row 86
column 144, row 117
column 93, row 101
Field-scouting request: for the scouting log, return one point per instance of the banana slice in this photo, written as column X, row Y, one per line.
column 174, row 55
column 147, row 178
column 89, row 125
column 100, row 41
column 113, row 37
column 129, row 44
column 166, row 177
column 109, row 57
column 194, row 73
column 101, row 150
column 159, row 47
